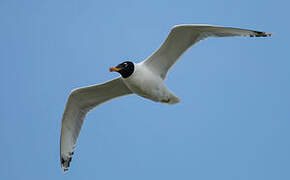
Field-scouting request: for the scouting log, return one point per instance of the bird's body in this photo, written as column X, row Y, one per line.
column 145, row 79
column 147, row 84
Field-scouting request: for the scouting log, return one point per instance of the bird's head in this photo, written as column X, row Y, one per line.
column 125, row 69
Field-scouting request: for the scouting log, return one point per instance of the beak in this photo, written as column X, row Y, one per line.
column 114, row 69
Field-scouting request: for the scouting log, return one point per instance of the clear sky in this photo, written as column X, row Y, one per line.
column 233, row 119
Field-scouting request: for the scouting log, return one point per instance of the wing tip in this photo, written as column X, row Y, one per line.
column 260, row 34
column 65, row 162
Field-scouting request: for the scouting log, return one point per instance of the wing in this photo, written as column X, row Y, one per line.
column 182, row 37
column 80, row 101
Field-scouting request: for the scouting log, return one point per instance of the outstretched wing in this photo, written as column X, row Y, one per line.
column 182, row 37
column 81, row 101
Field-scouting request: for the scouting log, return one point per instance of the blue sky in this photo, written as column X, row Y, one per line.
column 233, row 119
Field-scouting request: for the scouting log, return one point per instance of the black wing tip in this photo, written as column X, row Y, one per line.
column 260, row 34
column 65, row 162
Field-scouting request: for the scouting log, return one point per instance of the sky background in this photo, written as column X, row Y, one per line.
column 233, row 119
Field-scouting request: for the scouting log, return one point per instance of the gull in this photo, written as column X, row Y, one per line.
column 145, row 79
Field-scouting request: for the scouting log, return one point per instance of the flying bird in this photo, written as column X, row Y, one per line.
column 145, row 79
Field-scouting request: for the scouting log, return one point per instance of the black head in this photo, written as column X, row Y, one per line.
column 125, row 69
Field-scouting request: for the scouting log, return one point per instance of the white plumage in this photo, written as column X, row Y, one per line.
column 144, row 79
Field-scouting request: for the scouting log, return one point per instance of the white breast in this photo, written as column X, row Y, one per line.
column 147, row 84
